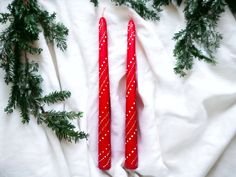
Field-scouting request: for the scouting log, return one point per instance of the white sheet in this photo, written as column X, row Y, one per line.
column 187, row 126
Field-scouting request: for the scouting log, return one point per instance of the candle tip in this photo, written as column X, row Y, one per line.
column 130, row 16
column 131, row 22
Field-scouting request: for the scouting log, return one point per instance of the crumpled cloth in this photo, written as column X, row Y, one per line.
column 187, row 125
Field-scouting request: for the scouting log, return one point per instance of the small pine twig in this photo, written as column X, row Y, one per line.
column 59, row 122
column 26, row 22
column 143, row 10
column 95, row 2
column 199, row 35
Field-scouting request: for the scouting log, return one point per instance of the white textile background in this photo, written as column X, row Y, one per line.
column 187, row 125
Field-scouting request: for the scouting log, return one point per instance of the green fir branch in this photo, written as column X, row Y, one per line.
column 199, row 39
column 95, row 2
column 140, row 6
column 59, row 122
column 143, row 9
column 25, row 22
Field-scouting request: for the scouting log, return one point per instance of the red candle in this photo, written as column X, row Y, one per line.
column 131, row 133
column 104, row 121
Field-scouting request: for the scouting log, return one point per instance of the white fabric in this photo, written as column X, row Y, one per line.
column 187, row 125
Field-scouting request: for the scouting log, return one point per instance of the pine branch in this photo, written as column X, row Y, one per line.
column 143, row 9
column 200, row 34
column 26, row 21
column 59, row 122
column 95, row 2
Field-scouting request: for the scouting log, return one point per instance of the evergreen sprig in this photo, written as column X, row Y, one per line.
column 59, row 121
column 148, row 11
column 143, row 9
column 200, row 39
column 25, row 22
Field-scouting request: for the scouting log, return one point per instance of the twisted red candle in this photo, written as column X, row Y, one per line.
column 104, row 138
column 131, row 147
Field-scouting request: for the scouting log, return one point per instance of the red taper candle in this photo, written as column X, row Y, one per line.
column 131, row 133
column 104, row 120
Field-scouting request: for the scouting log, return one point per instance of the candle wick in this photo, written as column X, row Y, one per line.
column 103, row 11
column 130, row 16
